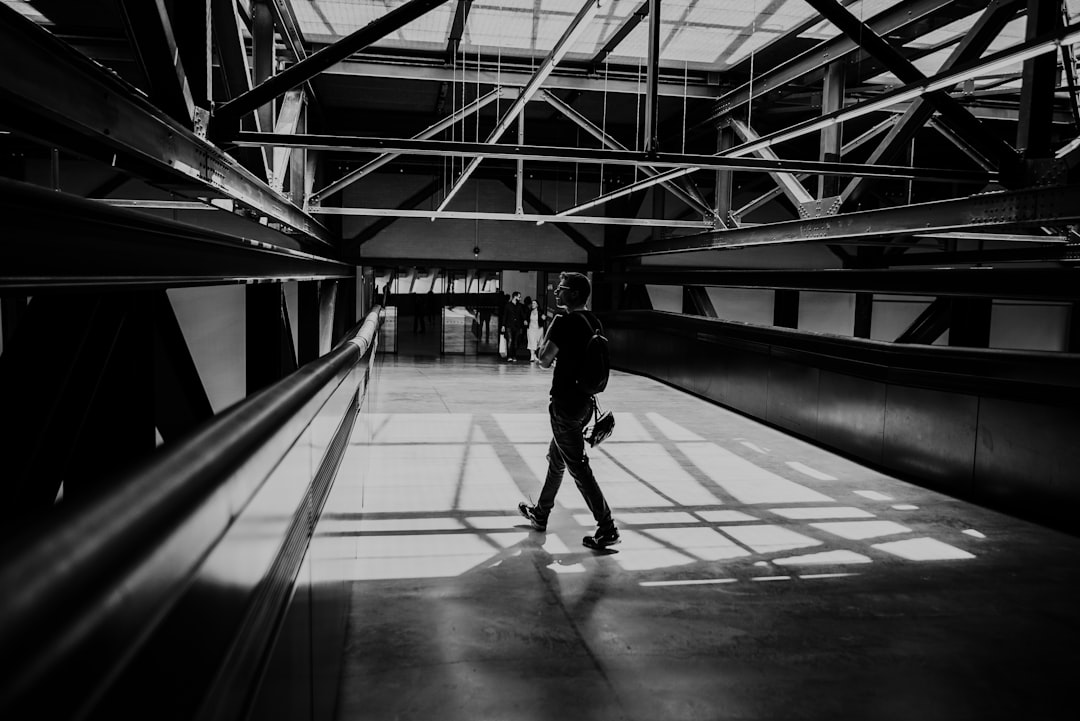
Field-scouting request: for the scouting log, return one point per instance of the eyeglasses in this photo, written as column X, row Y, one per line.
column 561, row 287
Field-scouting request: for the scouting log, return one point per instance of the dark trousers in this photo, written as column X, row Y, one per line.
column 513, row 342
column 567, row 453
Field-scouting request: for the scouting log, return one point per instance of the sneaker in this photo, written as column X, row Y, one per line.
column 538, row 523
column 602, row 539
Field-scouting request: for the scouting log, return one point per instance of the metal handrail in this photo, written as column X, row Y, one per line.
column 85, row 552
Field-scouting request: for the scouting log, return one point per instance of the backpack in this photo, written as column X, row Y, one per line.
column 595, row 366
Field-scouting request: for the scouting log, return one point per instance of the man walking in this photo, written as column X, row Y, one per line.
column 513, row 325
column 570, row 409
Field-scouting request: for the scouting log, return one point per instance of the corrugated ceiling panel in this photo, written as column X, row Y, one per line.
column 1011, row 34
column 864, row 10
column 328, row 20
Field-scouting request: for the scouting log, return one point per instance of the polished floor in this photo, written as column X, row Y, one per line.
column 759, row 577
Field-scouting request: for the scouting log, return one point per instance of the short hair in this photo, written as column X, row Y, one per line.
column 578, row 284
column 515, row 294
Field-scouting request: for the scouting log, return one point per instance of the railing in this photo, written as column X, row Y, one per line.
column 995, row 426
column 165, row 596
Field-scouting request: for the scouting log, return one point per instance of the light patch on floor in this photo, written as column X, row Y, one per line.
column 672, row 430
column 703, row 543
column 858, row 530
column 923, row 549
column 726, row 516
column 524, row 427
column 689, row 582
column 652, row 463
column 628, row 429
column 769, row 538
column 382, row 525
column 639, row 519
column 824, row 558
column 874, row 495
column 494, row 523
column 640, row 552
column 417, row 556
column 419, row 427
column 747, row 482
column 807, row 470
column 822, row 512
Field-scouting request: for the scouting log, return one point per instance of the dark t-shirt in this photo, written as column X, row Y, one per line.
column 570, row 334
column 513, row 316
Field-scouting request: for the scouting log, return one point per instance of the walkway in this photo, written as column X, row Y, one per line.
column 759, row 577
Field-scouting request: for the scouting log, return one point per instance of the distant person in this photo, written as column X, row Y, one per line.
column 534, row 330
column 417, row 307
column 513, row 325
column 484, row 313
column 570, row 409
column 431, row 306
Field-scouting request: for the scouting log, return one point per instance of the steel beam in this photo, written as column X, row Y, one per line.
column 236, row 71
column 832, row 99
column 1014, row 283
column 569, row 36
column 989, row 25
column 429, row 132
column 78, row 243
column 150, row 32
column 652, row 118
column 1034, row 134
column 288, row 122
column 514, row 217
column 48, row 89
column 457, row 30
column 847, row 148
column 951, row 111
column 1028, row 49
column 385, row 222
column 509, row 77
column 682, row 161
column 895, row 18
column 289, row 28
column 264, row 50
column 585, row 124
column 569, row 231
column 621, row 34
column 314, row 64
column 788, row 183
column 1018, row 208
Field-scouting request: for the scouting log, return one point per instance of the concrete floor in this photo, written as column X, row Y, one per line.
column 760, row 577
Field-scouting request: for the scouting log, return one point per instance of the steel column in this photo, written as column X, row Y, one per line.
column 1034, row 134
column 652, row 78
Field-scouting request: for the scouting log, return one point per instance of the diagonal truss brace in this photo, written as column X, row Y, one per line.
column 609, row 142
column 847, row 148
column 1044, row 44
column 787, row 182
column 460, row 114
column 314, row 64
column 951, row 111
column 1016, row 208
column 288, row 122
column 577, row 26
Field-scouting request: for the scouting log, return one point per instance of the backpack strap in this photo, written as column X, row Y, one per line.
column 592, row 331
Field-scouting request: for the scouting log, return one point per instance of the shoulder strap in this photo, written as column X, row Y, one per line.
column 592, row 331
